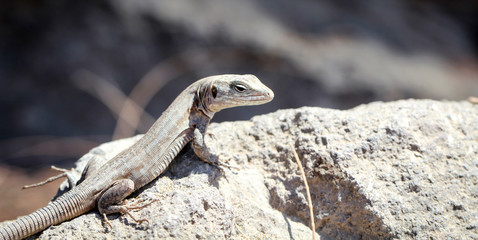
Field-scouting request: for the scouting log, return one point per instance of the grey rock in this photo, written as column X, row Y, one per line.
column 405, row 169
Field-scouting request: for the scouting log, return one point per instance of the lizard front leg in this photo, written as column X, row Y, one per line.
column 202, row 151
column 112, row 200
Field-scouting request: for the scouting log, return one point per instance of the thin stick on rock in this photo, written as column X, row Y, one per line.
column 309, row 199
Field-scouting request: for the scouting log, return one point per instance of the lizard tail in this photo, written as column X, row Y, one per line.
column 62, row 209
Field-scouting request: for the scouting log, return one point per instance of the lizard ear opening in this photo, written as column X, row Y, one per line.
column 214, row 91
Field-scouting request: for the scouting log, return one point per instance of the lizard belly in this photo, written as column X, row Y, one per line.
column 144, row 175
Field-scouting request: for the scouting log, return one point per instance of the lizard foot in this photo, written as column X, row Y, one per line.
column 105, row 219
column 125, row 210
column 137, row 205
column 139, row 221
column 221, row 165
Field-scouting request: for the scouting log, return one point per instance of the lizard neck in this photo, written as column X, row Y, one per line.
column 200, row 120
column 203, row 99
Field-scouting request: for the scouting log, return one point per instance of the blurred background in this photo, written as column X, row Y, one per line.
column 68, row 67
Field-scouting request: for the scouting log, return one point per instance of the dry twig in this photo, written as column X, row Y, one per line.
column 309, row 199
column 51, row 179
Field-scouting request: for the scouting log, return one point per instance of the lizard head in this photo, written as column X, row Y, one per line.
column 226, row 91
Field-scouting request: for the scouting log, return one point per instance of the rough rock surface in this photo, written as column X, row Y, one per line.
column 406, row 169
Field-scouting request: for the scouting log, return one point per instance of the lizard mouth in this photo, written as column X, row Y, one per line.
column 261, row 98
column 267, row 96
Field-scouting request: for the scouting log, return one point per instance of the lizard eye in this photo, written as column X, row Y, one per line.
column 240, row 88
column 214, row 92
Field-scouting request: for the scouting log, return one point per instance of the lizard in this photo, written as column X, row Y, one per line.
column 185, row 121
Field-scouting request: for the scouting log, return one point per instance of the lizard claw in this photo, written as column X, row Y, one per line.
column 105, row 220
column 222, row 166
column 139, row 221
column 137, row 205
column 211, row 135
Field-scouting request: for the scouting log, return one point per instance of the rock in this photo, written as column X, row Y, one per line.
column 405, row 169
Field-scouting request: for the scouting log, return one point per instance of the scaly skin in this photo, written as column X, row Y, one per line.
column 185, row 120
